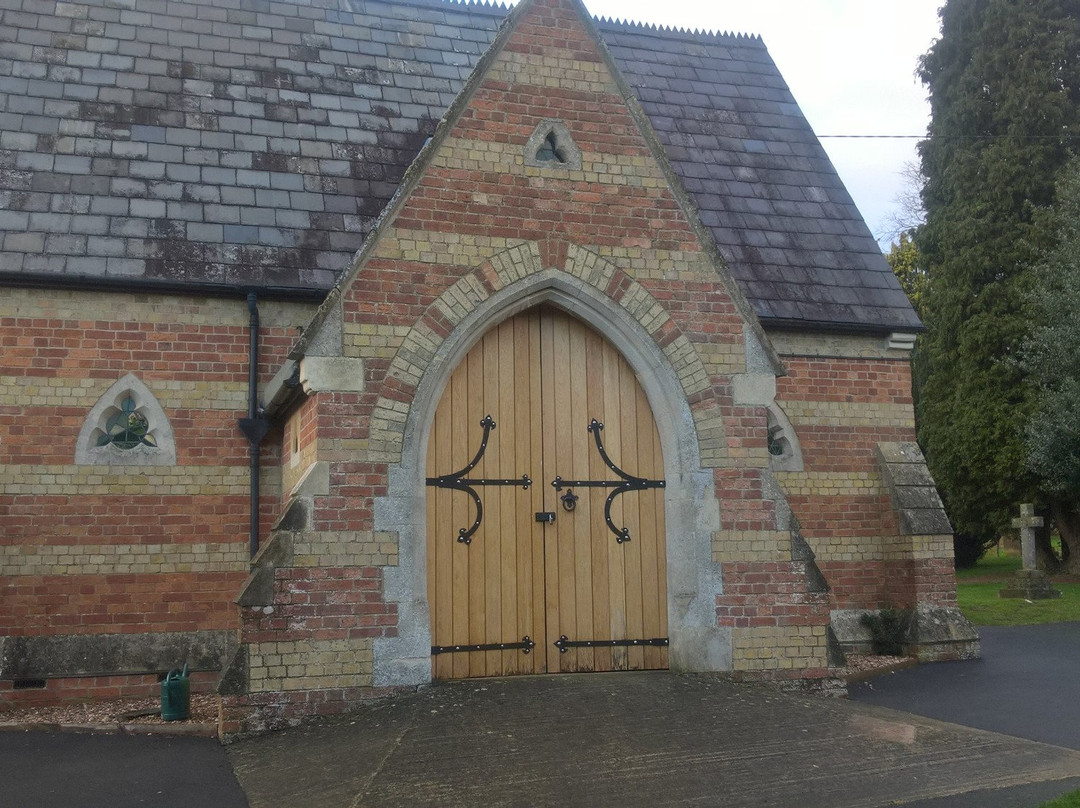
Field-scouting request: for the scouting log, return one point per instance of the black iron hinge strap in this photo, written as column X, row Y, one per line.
column 459, row 482
column 526, row 645
column 628, row 483
column 564, row 643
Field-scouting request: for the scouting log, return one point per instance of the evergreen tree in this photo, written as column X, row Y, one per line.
column 1004, row 84
column 1052, row 358
column 903, row 257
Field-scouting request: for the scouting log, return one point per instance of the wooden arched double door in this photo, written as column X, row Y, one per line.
column 565, row 574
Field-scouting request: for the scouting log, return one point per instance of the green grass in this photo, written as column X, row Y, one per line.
column 977, row 591
column 1002, row 565
column 982, row 605
column 1070, row 800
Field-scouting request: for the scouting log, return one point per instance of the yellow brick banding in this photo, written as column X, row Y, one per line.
column 849, row 414
column 751, row 546
column 366, row 341
column 110, row 559
column 61, row 304
column 310, row 664
column 118, row 480
column 789, row 343
column 345, row 549
column 778, row 647
column 853, row 549
column 40, row 391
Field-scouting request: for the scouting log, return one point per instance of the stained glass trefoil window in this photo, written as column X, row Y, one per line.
column 127, row 428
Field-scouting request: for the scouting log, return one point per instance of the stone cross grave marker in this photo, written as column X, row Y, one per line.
column 1029, row 583
column 1027, row 522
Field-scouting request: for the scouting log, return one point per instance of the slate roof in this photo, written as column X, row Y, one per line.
column 254, row 143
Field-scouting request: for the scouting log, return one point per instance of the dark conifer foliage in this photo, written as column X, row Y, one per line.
column 1051, row 355
column 1004, row 85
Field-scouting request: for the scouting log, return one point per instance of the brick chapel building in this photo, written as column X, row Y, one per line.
column 504, row 341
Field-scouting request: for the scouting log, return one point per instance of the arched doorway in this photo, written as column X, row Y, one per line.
column 574, row 573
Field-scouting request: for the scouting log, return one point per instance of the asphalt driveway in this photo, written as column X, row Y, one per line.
column 1027, row 684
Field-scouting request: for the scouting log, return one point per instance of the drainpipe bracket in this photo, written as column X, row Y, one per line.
column 254, row 429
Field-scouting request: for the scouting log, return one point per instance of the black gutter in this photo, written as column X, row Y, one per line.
column 95, row 283
column 255, row 426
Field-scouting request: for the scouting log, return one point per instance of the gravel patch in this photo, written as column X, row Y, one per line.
column 204, row 710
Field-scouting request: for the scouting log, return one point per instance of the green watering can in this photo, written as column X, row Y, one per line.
column 176, row 695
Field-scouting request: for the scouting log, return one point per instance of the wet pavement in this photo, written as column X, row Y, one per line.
column 633, row 739
column 624, row 739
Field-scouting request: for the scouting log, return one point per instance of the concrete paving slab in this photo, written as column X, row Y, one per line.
column 631, row 739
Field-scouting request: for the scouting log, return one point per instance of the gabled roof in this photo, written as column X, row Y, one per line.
column 213, row 143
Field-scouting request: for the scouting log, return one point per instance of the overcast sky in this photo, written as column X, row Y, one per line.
column 849, row 63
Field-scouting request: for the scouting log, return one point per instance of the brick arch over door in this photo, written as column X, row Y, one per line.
column 690, row 504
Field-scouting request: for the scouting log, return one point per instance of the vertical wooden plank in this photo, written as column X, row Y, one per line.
column 567, row 434
column 601, row 540
column 623, row 454
column 506, row 560
column 448, row 548
column 461, row 439
column 582, row 533
column 475, row 405
column 554, row 606
column 617, row 607
column 492, row 468
column 530, row 403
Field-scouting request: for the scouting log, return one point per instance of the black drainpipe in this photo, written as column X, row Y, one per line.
column 255, row 426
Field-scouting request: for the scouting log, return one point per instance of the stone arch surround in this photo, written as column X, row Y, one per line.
column 691, row 507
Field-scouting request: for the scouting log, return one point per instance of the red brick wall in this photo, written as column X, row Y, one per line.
column 846, row 406
column 323, row 603
column 61, row 351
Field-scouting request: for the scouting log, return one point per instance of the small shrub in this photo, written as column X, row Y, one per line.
column 888, row 630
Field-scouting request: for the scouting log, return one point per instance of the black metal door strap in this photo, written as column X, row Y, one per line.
column 526, row 645
column 564, row 643
column 458, row 482
column 628, row 483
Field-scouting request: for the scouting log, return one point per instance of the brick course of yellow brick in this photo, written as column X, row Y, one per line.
column 831, row 483
column 52, row 391
column 769, row 648
column 115, row 480
column 855, row 548
column 751, row 546
column 310, row 664
column 919, row 547
column 87, row 308
column 113, row 559
column 345, row 549
column 789, row 343
column 849, row 414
